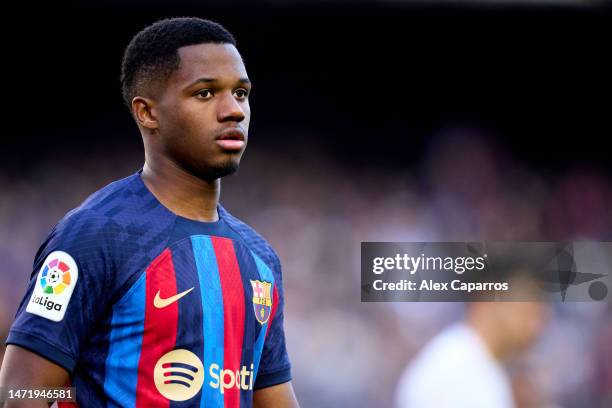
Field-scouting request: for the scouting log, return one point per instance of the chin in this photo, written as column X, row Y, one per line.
column 215, row 171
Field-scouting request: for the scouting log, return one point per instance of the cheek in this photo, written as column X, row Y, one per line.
column 247, row 115
column 193, row 124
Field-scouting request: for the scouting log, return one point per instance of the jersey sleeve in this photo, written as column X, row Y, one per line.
column 66, row 294
column 275, row 367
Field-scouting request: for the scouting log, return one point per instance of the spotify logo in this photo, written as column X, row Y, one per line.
column 179, row 375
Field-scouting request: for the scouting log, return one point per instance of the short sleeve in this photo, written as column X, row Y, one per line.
column 275, row 367
column 66, row 294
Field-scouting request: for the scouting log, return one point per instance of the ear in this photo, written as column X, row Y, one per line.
column 144, row 112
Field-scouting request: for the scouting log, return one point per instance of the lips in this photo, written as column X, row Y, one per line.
column 231, row 139
column 231, row 134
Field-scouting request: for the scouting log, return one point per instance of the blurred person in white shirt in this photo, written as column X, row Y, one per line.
column 463, row 366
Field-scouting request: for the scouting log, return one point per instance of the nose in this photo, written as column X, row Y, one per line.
column 229, row 109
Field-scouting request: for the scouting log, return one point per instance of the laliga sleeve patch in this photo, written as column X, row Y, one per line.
column 54, row 285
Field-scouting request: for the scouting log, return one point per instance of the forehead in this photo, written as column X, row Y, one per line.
column 220, row 61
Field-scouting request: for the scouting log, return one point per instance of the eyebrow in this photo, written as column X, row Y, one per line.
column 210, row 80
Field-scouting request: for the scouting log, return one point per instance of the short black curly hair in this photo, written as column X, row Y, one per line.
column 153, row 53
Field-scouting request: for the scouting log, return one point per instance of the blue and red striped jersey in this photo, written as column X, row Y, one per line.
column 147, row 308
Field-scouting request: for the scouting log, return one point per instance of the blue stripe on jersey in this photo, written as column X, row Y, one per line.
column 213, row 325
column 189, row 332
column 124, row 346
column 265, row 274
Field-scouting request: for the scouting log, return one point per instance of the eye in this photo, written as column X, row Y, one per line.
column 241, row 93
column 204, row 94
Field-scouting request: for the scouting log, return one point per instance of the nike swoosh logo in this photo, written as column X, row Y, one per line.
column 158, row 302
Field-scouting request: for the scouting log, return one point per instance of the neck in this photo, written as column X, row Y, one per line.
column 181, row 192
column 490, row 336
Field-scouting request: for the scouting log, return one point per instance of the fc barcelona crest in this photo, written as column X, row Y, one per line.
column 262, row 300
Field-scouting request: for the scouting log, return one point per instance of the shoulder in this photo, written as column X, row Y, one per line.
column 97, row 212
column 95, row 225
column 453, row 361
column 252, row 239
column 440, row 353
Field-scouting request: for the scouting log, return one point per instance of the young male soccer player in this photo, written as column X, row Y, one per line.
column 150, row 293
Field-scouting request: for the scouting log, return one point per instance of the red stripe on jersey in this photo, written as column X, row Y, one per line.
column 273, row 312
column 233, row 312
column 160, row 328
column 66, row 404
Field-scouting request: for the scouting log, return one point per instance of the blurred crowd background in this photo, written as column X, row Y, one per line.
column 316, row 213
column 371, row 122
